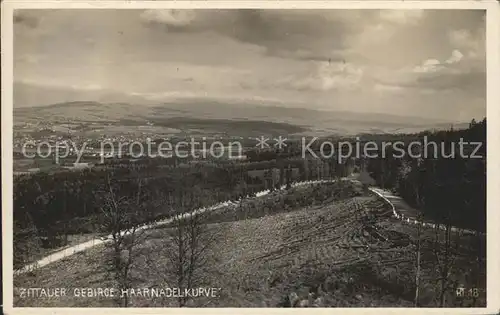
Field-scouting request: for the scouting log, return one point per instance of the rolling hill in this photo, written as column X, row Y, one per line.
column 238, row 118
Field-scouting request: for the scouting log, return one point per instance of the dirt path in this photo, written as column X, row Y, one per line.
column 406, row 213
column 63, row 253
column 401, row 210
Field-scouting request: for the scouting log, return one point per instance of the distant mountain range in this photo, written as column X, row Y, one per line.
column 110, row 107
column 170, row 115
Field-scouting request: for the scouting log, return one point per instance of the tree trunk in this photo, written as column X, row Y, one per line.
column 417, row 275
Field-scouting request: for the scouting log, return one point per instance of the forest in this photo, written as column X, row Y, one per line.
column 448, row 188
column 49, row 207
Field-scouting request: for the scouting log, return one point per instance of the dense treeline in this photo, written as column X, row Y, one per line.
column 50, row 206
column 288, row 200
column 449, row 186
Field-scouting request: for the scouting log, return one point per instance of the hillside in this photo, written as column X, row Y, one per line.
column 106, row 116
column 334, row 253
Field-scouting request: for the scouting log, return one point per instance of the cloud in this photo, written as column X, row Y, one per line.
column 319, row 35
column 455, row 72
column 28, row 58
column 334, row 55
column 171, row 18
column 472, row 43
column 429, row 65
column 402, row 16
column 434, row 65
column 294, row 34
column 387, row 88
column 325, row 76
column 455, row 57
column 450, row 79
column 25, row 19
column 371, row 58
column 461, row 37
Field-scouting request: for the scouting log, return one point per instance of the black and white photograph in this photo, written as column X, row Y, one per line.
column 249, row 157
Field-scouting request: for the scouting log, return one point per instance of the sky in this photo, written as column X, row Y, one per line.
column 426, row 63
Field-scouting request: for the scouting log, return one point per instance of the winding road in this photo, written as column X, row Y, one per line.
column 401, row 210
column 63, row 253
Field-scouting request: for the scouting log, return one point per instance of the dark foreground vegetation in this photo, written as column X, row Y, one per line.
column 50, row 209
column 326, row 245
column 448, row 187
column 335, row 240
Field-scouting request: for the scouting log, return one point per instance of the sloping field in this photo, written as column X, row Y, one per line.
column 342, row 253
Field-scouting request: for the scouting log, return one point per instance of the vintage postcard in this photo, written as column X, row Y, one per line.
column 176, row 157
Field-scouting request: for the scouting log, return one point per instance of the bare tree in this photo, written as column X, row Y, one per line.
column 187, row 250
column 306, row 169
column 445, row 259
column 318, row 169
column 479, row 264
column 120, row 216
column 241, row 191
column 26, row 244
column 418, row 261
column 420, row 201
column 288, row 177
